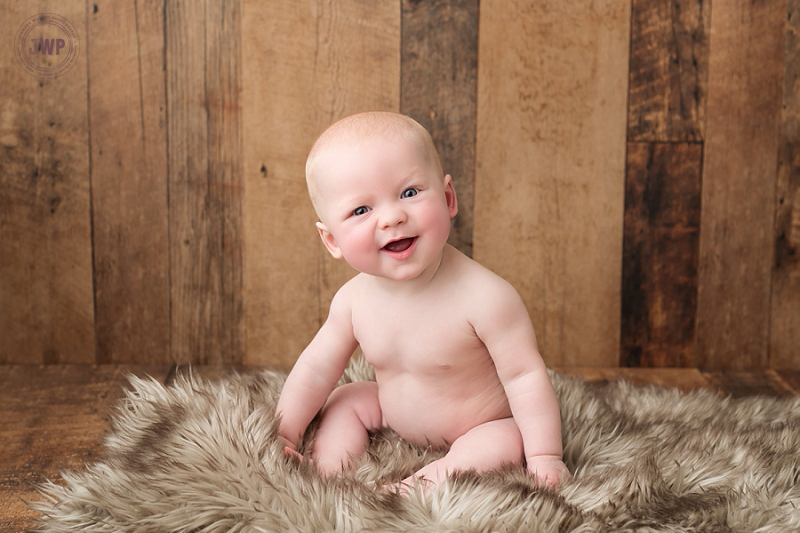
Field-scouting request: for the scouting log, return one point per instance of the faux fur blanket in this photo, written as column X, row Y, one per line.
column 201, row 456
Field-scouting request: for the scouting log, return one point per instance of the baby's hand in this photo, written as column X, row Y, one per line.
column 549, row 470
column 290, row 450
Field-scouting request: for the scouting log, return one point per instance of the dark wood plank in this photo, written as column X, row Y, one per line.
column 739, row 179
column 52, row 419
column 686, row 379
column 202, row 54
column 742, row 384
column 46, row 300
column 438, row 88
column 791, row 378
column 223, row 82
column 129, row 182
column 659, row 257
column 785, row 316
column 669, row 69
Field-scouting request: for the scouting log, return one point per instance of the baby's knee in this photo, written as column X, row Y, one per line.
column 501, row 439
column 509, row 443
column 360, row 398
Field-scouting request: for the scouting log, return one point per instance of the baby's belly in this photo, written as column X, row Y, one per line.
column 438, row 414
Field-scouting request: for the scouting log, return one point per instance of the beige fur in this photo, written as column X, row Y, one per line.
column 202, row 456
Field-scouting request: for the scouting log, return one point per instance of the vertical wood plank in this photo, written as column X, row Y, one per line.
column 224, row 87
column 659, row 258
column 306, row 65
column 46, row 295
column 668, row 69
column 204, row 193
column 739, row 180
column 785, row 315
column 438, row 88
column 549, row 182
column 129, row 181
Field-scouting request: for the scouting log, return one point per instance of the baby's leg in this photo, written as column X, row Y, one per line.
column 489, row 446
column 351, row 411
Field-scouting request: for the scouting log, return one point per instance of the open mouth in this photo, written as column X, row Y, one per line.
column 400, row 245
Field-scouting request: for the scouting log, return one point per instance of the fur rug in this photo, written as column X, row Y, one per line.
column 201, row 456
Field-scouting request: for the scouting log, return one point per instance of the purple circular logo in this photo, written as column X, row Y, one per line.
column 47, row 46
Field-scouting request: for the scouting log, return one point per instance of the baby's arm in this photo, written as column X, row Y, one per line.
column 503, row 324
column 317, row 370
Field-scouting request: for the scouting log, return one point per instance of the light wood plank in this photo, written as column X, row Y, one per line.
column 669, row 69
column 306, row 65
column 785, row 316
column 204, row 192
column 739, row 179
column 659, row 271
column 439, row 85
column 551, row 167
column 129, row 181
column 46, row 296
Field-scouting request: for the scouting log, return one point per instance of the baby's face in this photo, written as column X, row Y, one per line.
column 383, row 208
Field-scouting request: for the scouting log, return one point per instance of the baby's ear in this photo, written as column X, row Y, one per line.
column 328, row 240
column 450, row 196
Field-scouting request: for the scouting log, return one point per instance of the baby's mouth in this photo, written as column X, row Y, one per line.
column 400, row 245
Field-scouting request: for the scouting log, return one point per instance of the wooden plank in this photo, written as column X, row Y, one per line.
column 46, row 300
column 791, row 378
column 739, row 179
column 659, row 258
column 305, row 66
column 785, row 315
column 438, row 88
column 741, row 384
column 52, row 419
column 204, row 189
column 686, row 379
column 668, row 69
column 549, row 183
column 127, row 117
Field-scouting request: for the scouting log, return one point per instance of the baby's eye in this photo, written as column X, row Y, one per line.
column 410, row 192
column 358, row 211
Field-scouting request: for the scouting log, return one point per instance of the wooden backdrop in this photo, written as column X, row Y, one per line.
column 631, row 166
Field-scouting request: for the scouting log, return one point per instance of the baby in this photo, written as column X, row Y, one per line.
column 452, row 345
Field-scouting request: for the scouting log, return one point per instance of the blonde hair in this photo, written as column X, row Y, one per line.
column 368, row 125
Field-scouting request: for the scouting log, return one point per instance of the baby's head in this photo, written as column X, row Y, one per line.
column 362, row 127
column 384, row 206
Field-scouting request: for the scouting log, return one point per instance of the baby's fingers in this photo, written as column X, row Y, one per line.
column 288, row 452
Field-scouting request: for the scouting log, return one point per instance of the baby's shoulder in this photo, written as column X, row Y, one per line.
column 351, row 292
column 468, row 273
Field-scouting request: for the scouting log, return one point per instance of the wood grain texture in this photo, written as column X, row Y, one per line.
column 438, row 88
column 308, row 65
column 46, row 297
column 739, row 180
column 202, row 56
column 52, row 419
column 668, row 69
column 127, row 118
column 550, row 170
column 686, row 379
column 785, row 316
column 659, row 257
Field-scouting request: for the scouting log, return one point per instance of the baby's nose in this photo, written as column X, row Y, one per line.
column 393, row 216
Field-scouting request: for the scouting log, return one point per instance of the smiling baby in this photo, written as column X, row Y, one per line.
column 455, row 355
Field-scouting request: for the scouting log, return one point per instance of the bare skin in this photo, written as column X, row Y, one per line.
column 452, row 345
